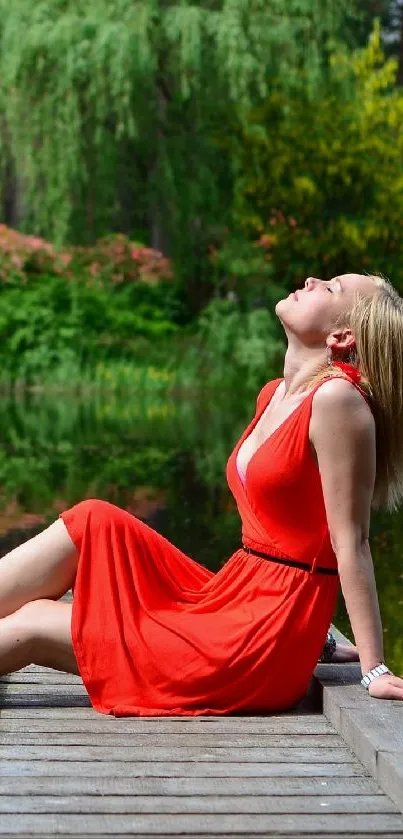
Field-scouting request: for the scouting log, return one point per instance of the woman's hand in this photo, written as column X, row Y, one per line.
column 386, row 687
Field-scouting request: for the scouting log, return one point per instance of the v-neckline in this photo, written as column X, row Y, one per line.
column 250, row 428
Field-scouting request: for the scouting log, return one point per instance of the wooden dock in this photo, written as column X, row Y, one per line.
column 66, row 770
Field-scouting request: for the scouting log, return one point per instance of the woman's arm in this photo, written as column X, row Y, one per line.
column 358, row 585
column 342, row 431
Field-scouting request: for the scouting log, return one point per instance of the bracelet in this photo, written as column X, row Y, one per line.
column 379, row 670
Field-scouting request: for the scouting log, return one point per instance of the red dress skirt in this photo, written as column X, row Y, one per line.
column 155, row 633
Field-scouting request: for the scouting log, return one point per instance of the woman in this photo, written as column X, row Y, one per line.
column 151, row 631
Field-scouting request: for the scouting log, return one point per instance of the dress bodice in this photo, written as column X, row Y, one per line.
column 280, row 499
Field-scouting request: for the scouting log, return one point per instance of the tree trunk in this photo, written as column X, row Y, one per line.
column 12, row 197
column 158, row 228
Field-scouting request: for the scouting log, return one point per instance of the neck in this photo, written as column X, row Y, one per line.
column 299, row 369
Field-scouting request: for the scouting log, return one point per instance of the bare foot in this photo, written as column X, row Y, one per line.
column 345, row 653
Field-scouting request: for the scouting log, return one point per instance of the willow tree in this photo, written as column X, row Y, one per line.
column 113, row 113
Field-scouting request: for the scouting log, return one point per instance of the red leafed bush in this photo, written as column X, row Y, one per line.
column 112, row 259
column 117, row 259
column 22, row 255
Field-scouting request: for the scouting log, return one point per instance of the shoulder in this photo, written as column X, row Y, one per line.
column 338, row 406
column 340, row 395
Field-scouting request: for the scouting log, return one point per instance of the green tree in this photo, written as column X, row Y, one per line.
column 113, row 113
column 320, row 184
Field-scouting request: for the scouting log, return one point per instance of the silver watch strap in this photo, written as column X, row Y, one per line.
column 369, row 677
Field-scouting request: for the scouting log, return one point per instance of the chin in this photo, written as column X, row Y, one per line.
column 280, row 305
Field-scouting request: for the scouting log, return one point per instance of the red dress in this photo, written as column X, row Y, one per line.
column 156, row 633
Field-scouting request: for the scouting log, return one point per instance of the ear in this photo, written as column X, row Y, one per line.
column 342, row 339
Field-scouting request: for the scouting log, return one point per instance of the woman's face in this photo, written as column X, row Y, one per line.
column 312, row 311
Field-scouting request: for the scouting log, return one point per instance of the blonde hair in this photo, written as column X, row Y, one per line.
column 376, row 322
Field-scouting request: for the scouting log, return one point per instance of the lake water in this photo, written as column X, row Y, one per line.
column 164, row 460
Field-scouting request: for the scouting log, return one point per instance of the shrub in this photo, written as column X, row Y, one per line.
column 74, row 307
column 113, row 259
column 239, row 348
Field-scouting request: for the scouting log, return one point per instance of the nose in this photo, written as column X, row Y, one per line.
column 311, row 281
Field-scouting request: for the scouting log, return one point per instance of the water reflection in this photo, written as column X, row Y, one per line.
column 164, row 461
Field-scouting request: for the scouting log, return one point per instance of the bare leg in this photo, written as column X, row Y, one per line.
column 38, row 633
column 43, row 567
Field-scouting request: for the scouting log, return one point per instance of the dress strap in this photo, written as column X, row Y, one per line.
column 349, row 369
column 354, row 375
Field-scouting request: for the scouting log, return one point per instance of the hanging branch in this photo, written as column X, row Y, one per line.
column 79, row 82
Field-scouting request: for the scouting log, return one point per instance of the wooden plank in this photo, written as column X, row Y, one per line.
column 222, row 804
column 39, row 678
column 136, row 727
column 214, row 835
column 58, row 713
column 181, row 754
column 176, row 741
column 255, row 725
column 39, row 670
column 169, row 824
column 72, row 785
column 211, row 719
column 66, row 769
column 390, row 775
column 199, row 769
column 12, row 689
column 373, row 729
column 232, row 835
column 48, row 698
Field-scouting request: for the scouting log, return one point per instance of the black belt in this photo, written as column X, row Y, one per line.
column 305, row 565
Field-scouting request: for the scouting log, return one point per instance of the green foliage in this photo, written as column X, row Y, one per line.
column 320, row 185
column 239, row 346
column 101, row 317
column 67, row 310
column 114, row 114
column 51, row 450
column 52, row 324
column 255, row 160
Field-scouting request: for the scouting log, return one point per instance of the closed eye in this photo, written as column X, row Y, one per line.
column 329, row 289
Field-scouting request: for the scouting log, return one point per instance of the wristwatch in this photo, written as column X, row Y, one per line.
column 379, row 670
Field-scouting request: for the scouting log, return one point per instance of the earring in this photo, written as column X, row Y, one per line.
column 329, row 355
